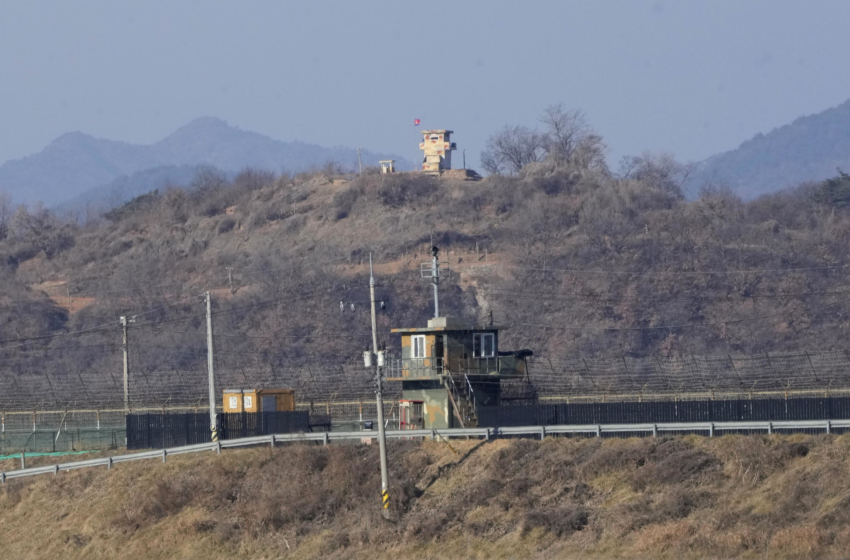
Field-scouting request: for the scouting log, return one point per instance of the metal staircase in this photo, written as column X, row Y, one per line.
column 463, row 401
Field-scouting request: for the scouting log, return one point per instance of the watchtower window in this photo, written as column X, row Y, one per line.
column 484, row 345
column 418, row 345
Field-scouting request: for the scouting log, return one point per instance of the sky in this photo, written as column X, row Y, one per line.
column 689, row 77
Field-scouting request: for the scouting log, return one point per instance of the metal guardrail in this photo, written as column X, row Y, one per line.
column 486, row 433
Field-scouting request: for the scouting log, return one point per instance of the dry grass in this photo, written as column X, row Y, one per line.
column 729, row 497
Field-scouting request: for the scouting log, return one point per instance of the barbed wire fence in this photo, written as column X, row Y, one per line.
column 168, row 371
column 346, row 391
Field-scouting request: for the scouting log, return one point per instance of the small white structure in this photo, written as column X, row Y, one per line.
column 387, row 166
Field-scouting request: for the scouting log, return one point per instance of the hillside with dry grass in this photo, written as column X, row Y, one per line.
column 692, row 497
column 574, row 261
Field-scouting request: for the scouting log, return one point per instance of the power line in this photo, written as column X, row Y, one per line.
column 27, row 340
column 674, row 327
column 522, row 294
column 652, row 273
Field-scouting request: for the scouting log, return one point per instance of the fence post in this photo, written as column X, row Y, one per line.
column 218, row 447
column 433, row 435
column 655, row 430
column 711, row 430
column 271, row 441
column 56, row 469
column 828, row 426
column 325, row 439
column 486, row 434
column 3, row 477
column 109, row 464
column 23, row 460
column 163, row 455
column 598, row 430
column 542, row 432
column 769, row 428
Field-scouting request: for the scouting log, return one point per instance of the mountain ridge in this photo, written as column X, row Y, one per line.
column 809, row 148
column 75, row 163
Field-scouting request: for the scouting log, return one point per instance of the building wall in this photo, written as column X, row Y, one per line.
column 244, row 401
column 407, row 345
column 285, row 399
column 250, row 401
column 437, row 153
column 435, row 399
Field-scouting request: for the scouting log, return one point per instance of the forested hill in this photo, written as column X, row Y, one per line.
column 574, row 262
column 94, row 170
column 808, row 149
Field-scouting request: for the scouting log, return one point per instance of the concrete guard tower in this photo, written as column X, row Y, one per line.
column 438, row 149
column 448, row 369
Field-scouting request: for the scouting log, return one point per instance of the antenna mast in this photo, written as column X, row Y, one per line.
column 434, row 273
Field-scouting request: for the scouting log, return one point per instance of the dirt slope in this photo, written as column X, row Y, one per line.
column 735, row 496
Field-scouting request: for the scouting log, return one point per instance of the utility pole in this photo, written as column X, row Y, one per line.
column 359, row 162
column 435, row 279
column 210, row 368
column 230, row 279
column 123, row 321
column 382, row 436
column 464, row 159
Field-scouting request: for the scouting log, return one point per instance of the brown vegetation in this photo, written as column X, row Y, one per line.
column 728, row 497
column 579, row 261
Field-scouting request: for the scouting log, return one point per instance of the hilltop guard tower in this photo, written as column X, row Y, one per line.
column 449, row 369
column 438, row 149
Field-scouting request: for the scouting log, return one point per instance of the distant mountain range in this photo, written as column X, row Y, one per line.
column 808, row 149
column 77, row 168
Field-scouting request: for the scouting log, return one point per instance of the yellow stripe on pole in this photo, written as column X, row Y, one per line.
column 386, row 496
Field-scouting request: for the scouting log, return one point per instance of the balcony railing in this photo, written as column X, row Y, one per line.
column 409, row 368
column 424, row 368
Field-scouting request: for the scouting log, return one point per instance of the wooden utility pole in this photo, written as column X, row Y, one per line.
column 123, row 321
column 382, row 436
column 211, row 368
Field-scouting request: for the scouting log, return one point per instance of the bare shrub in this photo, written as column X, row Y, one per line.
column 560, row 521
column 225, row 225
column 661, row 171
column 250, row 179
column 402, row 190
column 344, row 201
column 677, row 467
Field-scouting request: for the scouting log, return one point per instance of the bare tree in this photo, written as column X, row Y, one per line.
column 208, row 179
column 41, row 229
column 5, row 213
column 511, row 149
column 565, row 130
column 567, row 138
column 659, row 170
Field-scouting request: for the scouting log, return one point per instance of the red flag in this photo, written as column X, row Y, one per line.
column 415, row 122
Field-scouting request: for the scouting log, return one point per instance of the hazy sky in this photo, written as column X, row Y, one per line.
column 693, row 78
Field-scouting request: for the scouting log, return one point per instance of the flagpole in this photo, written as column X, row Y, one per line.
column 416, row 158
